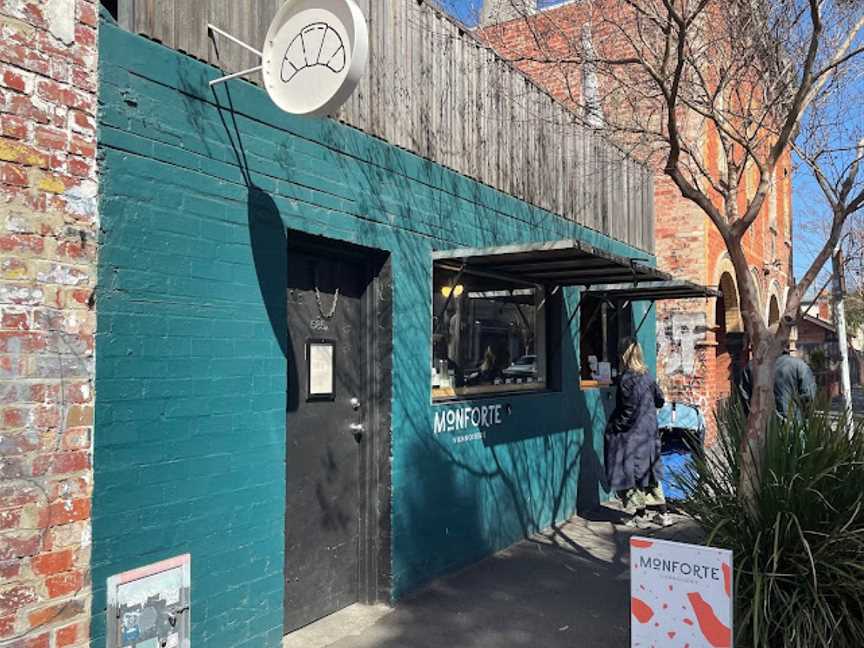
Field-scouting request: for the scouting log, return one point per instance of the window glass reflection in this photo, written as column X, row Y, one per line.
column 488, row 335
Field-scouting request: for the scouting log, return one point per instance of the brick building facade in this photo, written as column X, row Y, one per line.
column 48, row 234
column 700, row 343
column 194, row 369
column 192, row 421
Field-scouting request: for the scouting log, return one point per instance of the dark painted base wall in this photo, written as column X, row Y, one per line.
column 197, row 192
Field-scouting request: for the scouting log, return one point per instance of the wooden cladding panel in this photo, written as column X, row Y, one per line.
column 433, row 89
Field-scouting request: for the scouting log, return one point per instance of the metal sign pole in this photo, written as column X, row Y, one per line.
column 212, row 29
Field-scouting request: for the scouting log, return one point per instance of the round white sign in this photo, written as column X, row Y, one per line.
column 314, row 55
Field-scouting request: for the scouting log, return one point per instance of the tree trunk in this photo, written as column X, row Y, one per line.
column 761, row 410
column 766, row 346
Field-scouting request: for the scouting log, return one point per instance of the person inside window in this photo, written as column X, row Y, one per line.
column 487, row 372
column 632, row 442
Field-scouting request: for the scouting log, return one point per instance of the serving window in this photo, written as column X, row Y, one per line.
column 491, row 310
column 603, row 324
column 488, row 335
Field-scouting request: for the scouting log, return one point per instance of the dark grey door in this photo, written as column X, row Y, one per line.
column 324, row 440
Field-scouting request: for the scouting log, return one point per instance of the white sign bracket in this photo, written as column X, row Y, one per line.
column 212, row 29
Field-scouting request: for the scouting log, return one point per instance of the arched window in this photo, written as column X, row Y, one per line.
column 773, row 311
column 729, row 311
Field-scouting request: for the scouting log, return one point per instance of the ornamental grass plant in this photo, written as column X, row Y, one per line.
column 799, row 545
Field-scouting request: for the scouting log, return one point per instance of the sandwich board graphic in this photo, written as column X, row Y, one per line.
column 680, row 595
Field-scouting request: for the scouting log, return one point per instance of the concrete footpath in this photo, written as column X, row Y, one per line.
column 564, row 588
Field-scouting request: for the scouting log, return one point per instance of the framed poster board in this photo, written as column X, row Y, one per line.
column 320, row 368
column 149, row 607
column 680, row 594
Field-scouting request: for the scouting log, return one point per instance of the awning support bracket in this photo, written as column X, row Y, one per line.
column 633, row 263
column 644, row 317
column 577, row 309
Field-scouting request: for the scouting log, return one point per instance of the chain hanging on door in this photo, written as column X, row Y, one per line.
column 330, row 313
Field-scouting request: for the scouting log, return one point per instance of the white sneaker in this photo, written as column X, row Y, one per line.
column 637, row 522
column 662, row 519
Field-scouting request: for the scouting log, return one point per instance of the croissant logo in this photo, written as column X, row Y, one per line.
column 317, row 45
column 314, row 55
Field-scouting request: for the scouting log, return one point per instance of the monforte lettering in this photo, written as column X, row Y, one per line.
column 452, row 420
column 677, row 568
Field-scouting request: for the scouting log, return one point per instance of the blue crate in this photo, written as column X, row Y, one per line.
column 675, row 462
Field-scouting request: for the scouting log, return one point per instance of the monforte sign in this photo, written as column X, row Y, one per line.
column 672, row 568
column 680, row 594
column 469, row 423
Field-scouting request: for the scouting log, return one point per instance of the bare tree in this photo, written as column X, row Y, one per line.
column 764, row 76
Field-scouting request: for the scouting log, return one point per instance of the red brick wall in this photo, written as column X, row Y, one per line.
column 686, row 243
column 48, row 234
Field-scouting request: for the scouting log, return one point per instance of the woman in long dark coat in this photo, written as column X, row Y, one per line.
column 632, row 443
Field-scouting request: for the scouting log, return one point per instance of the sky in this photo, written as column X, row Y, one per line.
column 807, row 203
column 465, row 10
column 468, row 10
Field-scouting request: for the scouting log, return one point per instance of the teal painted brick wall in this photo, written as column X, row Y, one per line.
column 191, row 378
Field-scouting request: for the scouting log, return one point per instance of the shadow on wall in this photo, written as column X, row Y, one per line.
column 468, row 500
column 267, row 233
column 268, row 240
column 458, row 502
column 455, row 504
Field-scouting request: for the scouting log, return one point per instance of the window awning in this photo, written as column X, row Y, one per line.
column 556, row 263
column 571, row 263
column 654, row 291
